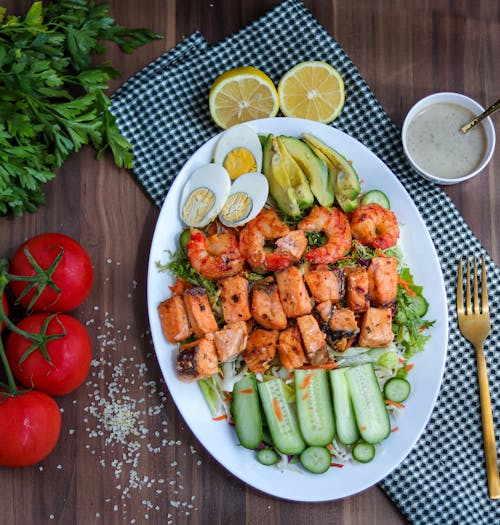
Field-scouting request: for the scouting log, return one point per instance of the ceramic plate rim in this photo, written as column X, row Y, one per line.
column 219, row 438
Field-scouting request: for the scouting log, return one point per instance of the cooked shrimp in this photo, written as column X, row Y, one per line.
column 267, row 226
column 215, row 256
column 375, row 226
column 334, row 224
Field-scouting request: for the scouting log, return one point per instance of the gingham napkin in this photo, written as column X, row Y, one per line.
column 163, row 111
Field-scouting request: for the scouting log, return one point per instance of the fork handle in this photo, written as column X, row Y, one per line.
column 490, row 450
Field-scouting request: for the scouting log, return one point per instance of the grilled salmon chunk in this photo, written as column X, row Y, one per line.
column 342, row 328
column 357, row 289
column 197, row 360
column 290, row 349
column 325, row 284
column 266, row 307
column 234, row 298
column 260, row 350
column 231, row 340
column 199, row 312
column 376, row 328
column 324, row 310
column 174, row 319
column 292, row 245
column 313, row 339
column 293, row 292
column 180, row 286
column 383, row 281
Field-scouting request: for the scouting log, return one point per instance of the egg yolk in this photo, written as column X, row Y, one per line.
column 239, row 161
column 237, row 208
column 198, row 205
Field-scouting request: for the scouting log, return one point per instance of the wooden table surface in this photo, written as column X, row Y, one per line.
column 159, row 472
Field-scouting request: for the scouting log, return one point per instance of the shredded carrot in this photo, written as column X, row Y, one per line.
column 306, row 381
column 339, row 465
column 380, row 253
column 329, row 447
column 305, row 396
column 406, row 285
column 326, row 366
column 394, row 403
column 277, row 409
column 409, row 367
column 247, row 391
column 363, row 428
column 220, row 418
column 395, row 429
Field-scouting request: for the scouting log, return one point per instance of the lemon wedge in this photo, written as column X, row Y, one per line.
column 313, row 90
column 241, row 94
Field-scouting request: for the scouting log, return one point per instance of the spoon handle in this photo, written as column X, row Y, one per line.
column 480, row 117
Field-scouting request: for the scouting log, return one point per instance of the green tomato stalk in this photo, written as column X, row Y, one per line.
column 38, row 341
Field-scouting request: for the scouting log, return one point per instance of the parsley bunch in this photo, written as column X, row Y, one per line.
column 52, row 94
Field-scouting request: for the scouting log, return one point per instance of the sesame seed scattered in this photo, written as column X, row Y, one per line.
column 125, row 421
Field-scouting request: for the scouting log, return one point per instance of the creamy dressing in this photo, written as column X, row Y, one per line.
column 437, row 145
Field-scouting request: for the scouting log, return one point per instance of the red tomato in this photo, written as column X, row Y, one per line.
column 5, row 309
column 73, row 274
column 70, row 355
column 29, row 429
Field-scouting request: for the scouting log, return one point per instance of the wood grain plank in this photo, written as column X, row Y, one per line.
column 161, row 473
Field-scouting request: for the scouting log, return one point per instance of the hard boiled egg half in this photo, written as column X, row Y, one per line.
column 204, row 195
column 247, row 197
column 239, row 151
column 231, row 187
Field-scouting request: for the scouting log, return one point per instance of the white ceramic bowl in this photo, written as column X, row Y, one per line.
column 461, row 100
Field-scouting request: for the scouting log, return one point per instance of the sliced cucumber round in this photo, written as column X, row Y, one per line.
column 377, row 197
column 184, row 239
column 316, row 459
column 267, row 456
column 420, row 305
column 397, row 389
column 363, row 452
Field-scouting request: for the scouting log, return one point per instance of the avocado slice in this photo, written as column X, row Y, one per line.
column 314, row 168
column 280, row 187
column 345, row 180
column 298, row 179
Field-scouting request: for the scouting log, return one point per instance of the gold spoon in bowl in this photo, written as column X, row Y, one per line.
column 483, row 115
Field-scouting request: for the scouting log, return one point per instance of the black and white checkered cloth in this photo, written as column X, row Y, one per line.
column 163, row 111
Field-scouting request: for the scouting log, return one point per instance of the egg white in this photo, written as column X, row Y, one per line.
column 238, row 136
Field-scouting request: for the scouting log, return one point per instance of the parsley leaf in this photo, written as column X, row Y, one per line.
column 52, row 94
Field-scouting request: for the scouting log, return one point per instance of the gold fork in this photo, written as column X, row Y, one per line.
column 474, row 323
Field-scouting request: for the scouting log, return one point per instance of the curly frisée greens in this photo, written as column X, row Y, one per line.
column 299, row 329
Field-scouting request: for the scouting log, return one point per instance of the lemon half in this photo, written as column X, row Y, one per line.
column 242, row 94
column 313, row 90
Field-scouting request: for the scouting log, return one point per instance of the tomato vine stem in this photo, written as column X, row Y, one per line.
column 39, row 341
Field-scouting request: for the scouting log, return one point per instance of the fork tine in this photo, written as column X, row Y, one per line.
column 460, row 295
column 476, row 291
column 484, row 289
column 468, row 308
